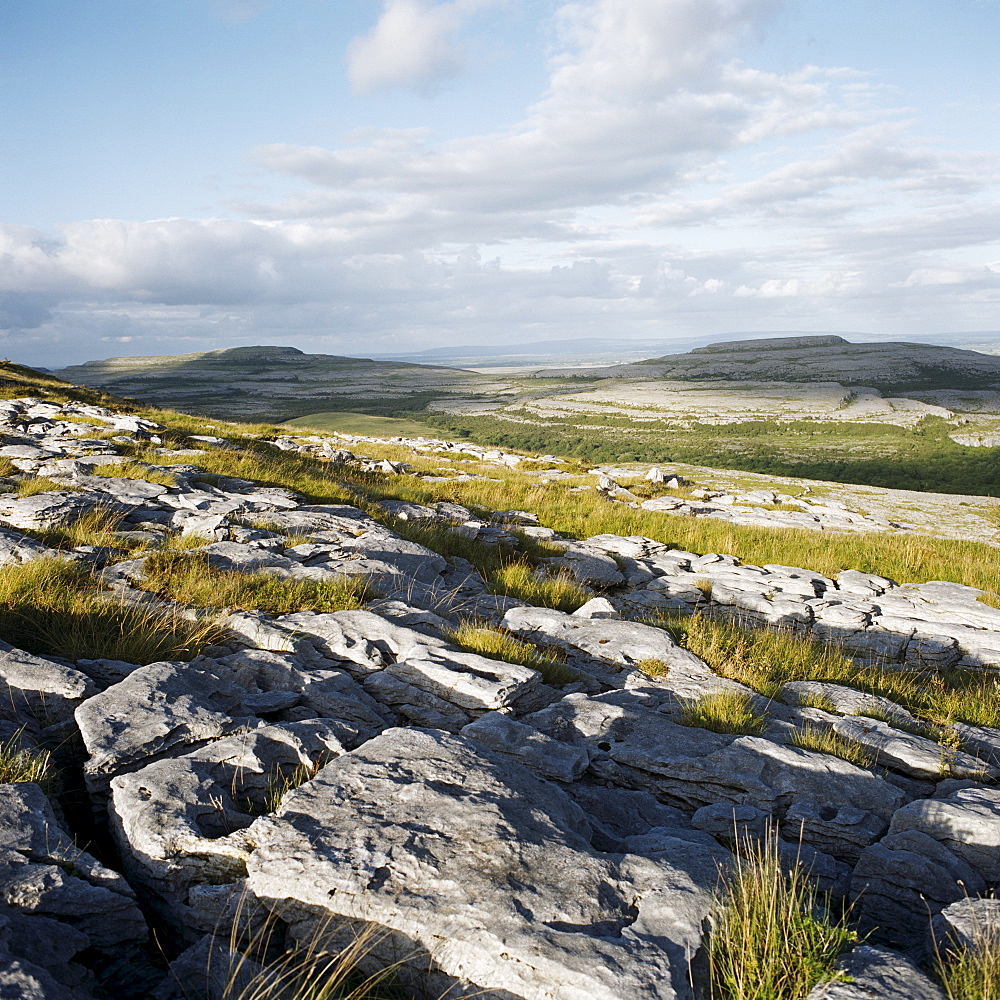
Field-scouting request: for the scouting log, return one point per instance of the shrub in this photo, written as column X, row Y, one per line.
column 773, row 936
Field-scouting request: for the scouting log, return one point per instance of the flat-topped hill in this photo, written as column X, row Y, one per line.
column 267, row 382
column 896, row 367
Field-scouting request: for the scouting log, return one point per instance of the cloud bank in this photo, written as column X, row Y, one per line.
column 660, row 185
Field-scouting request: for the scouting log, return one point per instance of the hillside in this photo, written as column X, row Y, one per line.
column 769, row 406
column 269, row 383
column 298, row 692
column 893, row 368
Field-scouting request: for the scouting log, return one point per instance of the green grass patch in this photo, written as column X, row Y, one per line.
column 651, row 667
column 499, row 644
column 366, row 424
column 58, row 608
column 188, row 577
column 764, row 660
column 135, row 470
column 774, row 937
column 31, row 486
column 19, row 764
column 727, row 712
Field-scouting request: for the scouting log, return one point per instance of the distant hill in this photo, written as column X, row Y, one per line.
column 267, row 383
column 894, row 368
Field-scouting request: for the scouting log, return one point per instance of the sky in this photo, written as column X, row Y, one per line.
column 376, row 176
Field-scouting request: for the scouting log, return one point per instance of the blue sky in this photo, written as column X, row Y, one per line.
column 381, row 175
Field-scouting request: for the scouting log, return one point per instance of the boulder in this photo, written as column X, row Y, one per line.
column 967, row 822
column 546, row 757
column 181, row 822
column 44, row 874
column 160, row 710
column 873, row 973
column 901, row 881
column 487, row 869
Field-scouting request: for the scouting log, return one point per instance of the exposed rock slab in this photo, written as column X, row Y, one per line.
column 488, row 868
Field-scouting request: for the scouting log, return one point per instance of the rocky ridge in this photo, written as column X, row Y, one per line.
column 512, row 838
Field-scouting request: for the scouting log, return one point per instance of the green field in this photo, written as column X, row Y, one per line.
column 350, row 422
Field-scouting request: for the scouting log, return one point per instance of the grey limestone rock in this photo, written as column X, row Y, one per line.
column 901, row 881
column 968, row 924
column 967, row 822
column 22, row 980
column 913, row 755
column 16, row 548
column 487, row 868
column 159, row 710
column 179, row 822
column 467, row 680
column 45, row 510
column 33, row 686
column 44, row 874
column 874, row 973
column 834, row 806
column 612, row 648
column 509, row 738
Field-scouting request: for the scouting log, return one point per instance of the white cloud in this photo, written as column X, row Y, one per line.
column 413, row 44
column 659, row 186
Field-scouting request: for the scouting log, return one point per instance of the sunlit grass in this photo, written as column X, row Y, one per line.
column 190, row 578
column 729, row 712
column 764, row 659
column 53, row 607
column 773, row 936
column 499, row 644
column 824, row 739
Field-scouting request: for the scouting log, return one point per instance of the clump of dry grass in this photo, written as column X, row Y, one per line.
column 190, row 578
column 499, row 644
column 971, row 972
column 19, row 763
column 728, row 712
column 823, row 739
column 651, row 667
column 773, row 936
column 54, row 607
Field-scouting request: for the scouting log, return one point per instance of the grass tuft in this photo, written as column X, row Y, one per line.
column 57, row 608
column 19, row 764
column 823, row 739
column 525, row 583
column 654, row 668
column 723, row 712
column 971, row 972
column 190, row 578
column 774, row 937
column 499, row 644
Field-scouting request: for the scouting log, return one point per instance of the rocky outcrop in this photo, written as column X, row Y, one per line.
column 488, row 870
column 355, row 772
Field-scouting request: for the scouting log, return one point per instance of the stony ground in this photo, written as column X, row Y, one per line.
column 509, row 833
